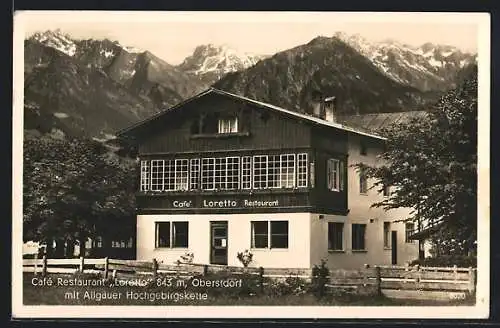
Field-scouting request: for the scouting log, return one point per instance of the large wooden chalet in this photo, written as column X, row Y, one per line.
column 222, row 173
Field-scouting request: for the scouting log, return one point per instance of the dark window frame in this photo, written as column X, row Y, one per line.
column 358, row 237
column 409, row 232
column 334, row 230
column 173, row 239
column 387, row 234
column 363, row 181
column 272, row 238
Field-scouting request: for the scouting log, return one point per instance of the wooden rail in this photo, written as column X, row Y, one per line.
column 378, row 278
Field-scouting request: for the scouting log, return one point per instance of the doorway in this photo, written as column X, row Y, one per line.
column 394, row 247
column 218, row 242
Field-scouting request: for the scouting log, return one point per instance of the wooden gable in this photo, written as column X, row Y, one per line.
column 192, row 127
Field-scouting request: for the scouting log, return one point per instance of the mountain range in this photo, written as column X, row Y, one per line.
column 210, row 62
column 95, row 87
column 429, row 67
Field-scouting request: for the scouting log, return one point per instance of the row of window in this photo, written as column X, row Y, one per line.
column 226, row 173
column 246, row 172
column 336, row 235
column 124, row 243
column 274, row 234
column 265, row 234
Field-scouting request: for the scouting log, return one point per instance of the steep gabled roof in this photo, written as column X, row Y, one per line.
column 375, row 122
column 307, row 118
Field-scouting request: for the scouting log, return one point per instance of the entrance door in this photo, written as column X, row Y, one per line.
column 394, row 247
column 218, row 238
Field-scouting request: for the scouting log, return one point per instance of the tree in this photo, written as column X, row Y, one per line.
column 432, row 163
column 73, row 190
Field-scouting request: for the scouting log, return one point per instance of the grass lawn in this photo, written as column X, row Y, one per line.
column 165, row 292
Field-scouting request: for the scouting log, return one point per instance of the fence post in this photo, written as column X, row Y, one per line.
column 455, row 272
column 261, row 279
column 82, row 262
column 106, row 267
column 44, row 265
column 155, row 268
column 366, row 278
column 378, row 280
column 35, row 270
column 418, row 275
column 205, row 270
column 472, row 281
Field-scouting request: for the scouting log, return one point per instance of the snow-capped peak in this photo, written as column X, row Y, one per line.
column 129, row 49
column 58, row 40
column 220, row 59
column 412, row 65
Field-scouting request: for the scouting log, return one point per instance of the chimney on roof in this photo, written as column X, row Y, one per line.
column 329, row 109
column 324, row 107
column 318, row 105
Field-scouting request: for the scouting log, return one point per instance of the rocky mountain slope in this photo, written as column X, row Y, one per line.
column 64, row 94
column 429, row 67
column 96, row 86
column 210, row 63
column 331, row 67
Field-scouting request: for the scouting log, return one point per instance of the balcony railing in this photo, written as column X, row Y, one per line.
column 425, row 228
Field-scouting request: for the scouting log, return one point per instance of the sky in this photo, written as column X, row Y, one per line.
column 173, row 36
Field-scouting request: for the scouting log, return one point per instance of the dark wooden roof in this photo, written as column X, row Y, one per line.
column 374, row 123
column 305, row 117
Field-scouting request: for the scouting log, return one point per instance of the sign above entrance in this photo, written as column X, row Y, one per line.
column 272, row 202
column 225, row 203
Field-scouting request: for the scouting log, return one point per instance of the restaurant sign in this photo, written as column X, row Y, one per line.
column 225, row 203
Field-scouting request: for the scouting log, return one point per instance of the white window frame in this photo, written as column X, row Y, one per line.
column 207, row 166
column 145, row 176
column 232, row 181
column 169, row 176
column 181, row 180
column 302, row 170
column 246, row 172
column 194, row 174
column 333, row 174
column 220, row 171
column 227, row 125
column 287, row 171
column 260, row 178
column 157, row 174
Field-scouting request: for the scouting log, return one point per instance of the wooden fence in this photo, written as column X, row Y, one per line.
column 394, row 281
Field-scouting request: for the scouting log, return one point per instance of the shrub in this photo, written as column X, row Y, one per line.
column 319, row 279
column 186, row 258
column 291, row 285
column 245, row 257
column 461, row 261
